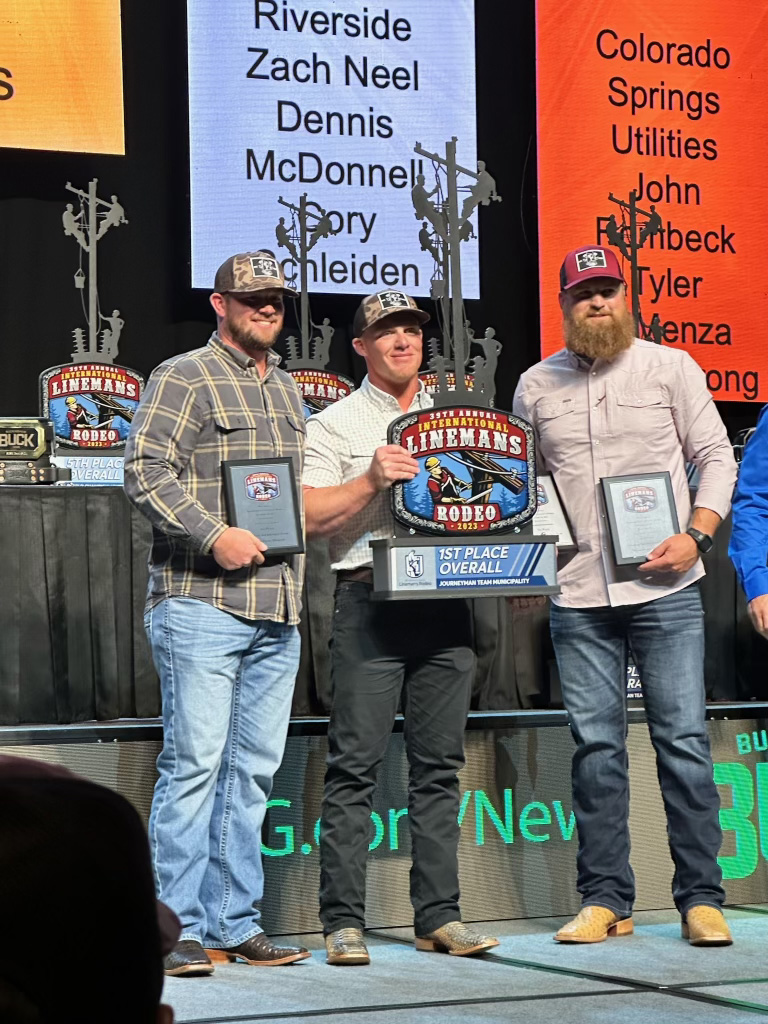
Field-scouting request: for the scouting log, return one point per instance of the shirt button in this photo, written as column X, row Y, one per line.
column 597, row 442
column 594, row 373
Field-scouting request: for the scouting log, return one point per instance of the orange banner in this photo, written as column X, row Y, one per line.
column 669, row 101
column 61, row 75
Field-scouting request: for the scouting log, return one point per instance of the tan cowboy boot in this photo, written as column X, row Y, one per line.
column 706, row 926
column 346, row 948
column 455, row 938
column 594, row 924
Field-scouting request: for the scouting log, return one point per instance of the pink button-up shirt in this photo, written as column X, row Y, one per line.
column 645, row 411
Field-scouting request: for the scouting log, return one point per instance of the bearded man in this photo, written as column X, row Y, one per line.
column 221, row 616
column 610, row 404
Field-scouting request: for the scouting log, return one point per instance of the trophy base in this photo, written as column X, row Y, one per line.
column 419, row 568
column 23, row 473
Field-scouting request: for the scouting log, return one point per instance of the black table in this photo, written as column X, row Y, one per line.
column 72, row 644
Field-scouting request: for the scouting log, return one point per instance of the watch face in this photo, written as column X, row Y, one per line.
column 703, row 541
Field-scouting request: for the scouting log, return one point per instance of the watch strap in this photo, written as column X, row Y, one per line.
column 703, row 540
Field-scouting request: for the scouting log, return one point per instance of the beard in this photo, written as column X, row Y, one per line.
column 248, row 340
column 600, row 340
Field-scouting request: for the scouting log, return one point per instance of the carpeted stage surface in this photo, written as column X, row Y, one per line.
column 651, row 975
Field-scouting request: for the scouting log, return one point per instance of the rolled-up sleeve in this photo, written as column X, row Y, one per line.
column 704, row 439
column 749, row 538
column 163, row 437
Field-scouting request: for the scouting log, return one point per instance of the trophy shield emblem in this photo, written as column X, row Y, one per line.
column 478, row 473
column 640, row 499
column 92, row 405
column 320, row 388
column 262, row 486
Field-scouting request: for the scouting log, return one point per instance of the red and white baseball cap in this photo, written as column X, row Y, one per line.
column 589, row 261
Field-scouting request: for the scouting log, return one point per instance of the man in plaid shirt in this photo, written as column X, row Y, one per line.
column 221, row 616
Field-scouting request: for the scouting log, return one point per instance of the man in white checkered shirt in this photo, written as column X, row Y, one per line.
column 382, row 650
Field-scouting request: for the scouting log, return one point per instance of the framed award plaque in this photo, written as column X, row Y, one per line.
column 551, row 517
column 261, row 497
column 641, row 514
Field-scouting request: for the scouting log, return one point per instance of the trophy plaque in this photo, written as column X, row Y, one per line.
column 462, row 516
column 641, row 514
column 261, row 497
column 25, row 452
column 461, row 526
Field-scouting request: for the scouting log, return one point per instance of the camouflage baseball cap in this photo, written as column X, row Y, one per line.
column 249, row 272
column 375, row 307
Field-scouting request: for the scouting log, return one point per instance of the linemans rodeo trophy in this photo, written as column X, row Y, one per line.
column 461, row 523
column 91, row 400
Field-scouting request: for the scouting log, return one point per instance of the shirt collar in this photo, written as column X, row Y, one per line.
column 579, row 362
column 386, row 402
column 242, row 360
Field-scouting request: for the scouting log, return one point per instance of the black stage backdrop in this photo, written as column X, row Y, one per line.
column 144, row 270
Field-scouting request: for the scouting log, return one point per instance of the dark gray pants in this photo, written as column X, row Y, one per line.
column 380, row 650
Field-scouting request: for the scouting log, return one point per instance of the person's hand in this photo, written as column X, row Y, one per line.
column 238, row 548
column 525, row 602
column 677, row 553
column 758, row 613
column 389, row 464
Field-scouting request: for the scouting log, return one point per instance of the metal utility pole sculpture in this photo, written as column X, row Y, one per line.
column 88, row 226
column 629, row 239
column 306, row 229
column 450, row 226
column 308, row 355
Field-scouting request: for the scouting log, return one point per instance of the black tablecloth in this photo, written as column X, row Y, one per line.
column 72, row 644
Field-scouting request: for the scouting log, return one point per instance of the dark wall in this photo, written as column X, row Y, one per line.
column 144, row 266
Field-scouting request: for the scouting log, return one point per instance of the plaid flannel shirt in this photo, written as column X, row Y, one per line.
column 200, row 409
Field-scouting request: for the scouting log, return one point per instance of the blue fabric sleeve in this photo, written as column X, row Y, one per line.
column 749, row 539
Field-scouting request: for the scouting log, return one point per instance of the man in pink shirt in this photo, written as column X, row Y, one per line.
column 610, row 404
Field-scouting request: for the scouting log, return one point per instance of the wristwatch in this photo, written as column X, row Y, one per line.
column 703, row 541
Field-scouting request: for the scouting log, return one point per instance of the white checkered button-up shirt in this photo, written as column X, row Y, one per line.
column 341, row 441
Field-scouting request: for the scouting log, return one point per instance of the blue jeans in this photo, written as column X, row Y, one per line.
column 227, row 685
column 667, row 641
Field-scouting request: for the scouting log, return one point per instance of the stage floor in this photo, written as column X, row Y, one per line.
column 651, row 973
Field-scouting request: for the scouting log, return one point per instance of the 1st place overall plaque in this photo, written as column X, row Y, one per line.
column 641, row 514
column 261, row 497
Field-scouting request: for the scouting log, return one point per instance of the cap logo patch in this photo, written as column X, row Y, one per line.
column 589, row 259
column 264, row 266
column 393, row 300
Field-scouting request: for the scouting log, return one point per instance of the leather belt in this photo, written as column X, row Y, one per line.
column 363, row 574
